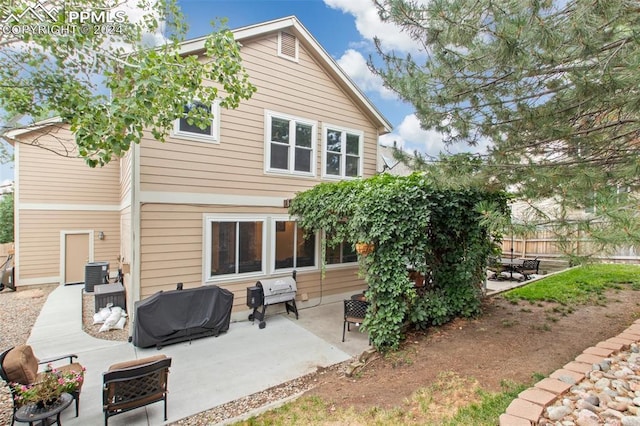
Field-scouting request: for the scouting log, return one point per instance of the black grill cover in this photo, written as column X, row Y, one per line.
column 178, row 315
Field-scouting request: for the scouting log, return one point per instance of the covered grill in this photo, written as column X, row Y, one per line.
column 270, row 292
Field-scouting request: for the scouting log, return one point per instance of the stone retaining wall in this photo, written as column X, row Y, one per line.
column 527, row 409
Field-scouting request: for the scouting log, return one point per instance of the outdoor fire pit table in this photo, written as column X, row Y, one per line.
column 109, row 293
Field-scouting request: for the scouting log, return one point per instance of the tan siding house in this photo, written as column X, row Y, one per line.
column 62, row 209
column 209, row 207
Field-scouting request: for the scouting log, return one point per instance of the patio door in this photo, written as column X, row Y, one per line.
column 76, row 256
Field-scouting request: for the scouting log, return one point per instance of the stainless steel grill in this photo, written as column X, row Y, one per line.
column 270, row 292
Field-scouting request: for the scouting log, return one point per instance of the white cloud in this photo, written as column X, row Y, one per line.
column 369, row 25
column 355, row 65
column 410, row 137
column 137, row 14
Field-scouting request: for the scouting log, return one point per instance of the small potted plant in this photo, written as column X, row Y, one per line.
column 48, row 389
column 365, row 248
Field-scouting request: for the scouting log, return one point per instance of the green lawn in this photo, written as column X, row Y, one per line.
column 585, row 284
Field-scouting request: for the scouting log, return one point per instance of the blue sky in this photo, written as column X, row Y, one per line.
column 345, row 28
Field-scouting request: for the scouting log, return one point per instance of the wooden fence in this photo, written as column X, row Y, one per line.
column 544, row 244
column 5, row 249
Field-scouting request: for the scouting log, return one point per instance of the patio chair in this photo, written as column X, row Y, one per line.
column 354, row 313
column 133, row 384
column 20, row 365
column 496, row 268
column 528, row 268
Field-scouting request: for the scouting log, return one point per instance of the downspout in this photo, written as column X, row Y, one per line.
column 134, row 288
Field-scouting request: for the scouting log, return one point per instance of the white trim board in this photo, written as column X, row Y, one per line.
column 38, row 281
column 213, row 199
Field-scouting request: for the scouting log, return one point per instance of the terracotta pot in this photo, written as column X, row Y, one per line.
column 364, row 248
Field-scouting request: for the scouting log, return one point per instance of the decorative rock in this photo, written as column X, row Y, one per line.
column 631, row 421
column 626, row 371
column 592, row 399
column 604, row 398
column 558, row 413
column 583, row 404
column 618, row 406
column 608, row 395
column 612, row 413
column 587, row 418
column 602, row 383
column 620, row 385
column 610, row 392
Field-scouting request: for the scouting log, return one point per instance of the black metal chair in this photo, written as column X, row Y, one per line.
column 354, row 313
column 20, row 365
column 134, row 384
column 528, row 268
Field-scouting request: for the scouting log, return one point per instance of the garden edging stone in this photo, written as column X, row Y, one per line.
column 574, row 378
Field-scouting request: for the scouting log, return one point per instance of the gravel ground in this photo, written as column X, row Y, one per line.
column 88, row 310
column 18, row 312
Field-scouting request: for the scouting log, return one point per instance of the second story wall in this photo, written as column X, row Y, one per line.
column 48, row 178
column 237, row 164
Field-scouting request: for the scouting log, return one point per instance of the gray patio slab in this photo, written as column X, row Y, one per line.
column 205, row 372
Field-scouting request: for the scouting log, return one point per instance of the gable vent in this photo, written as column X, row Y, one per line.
column 288, row 46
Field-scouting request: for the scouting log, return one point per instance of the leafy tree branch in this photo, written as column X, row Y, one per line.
column 111, row 86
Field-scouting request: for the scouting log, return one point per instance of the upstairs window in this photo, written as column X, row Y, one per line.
column 183, row 129
column 342, row 152
column 293, row 247
column 290, row 144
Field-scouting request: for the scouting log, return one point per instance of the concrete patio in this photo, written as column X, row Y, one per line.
column 238, row 363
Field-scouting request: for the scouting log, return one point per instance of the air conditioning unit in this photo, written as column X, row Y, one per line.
column 95, row 273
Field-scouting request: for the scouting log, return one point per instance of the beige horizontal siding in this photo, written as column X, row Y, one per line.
column 49, row 178
column 172, row 252
column 236, row 164
column 39, row 236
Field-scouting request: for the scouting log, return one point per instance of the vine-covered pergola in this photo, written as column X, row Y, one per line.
column 443, row 233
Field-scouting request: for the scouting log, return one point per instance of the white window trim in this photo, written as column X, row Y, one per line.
column 215, row 128
column 272, row 261
column 343, row 154
column 268, row 116
column 295, row 58
column 208, row 218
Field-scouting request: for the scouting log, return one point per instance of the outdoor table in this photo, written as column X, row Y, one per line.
column 510, row 265
column 31, row 413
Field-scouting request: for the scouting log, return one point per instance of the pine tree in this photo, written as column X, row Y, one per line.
column 553, row 85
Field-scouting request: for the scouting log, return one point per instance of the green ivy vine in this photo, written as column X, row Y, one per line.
column 444, row 233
